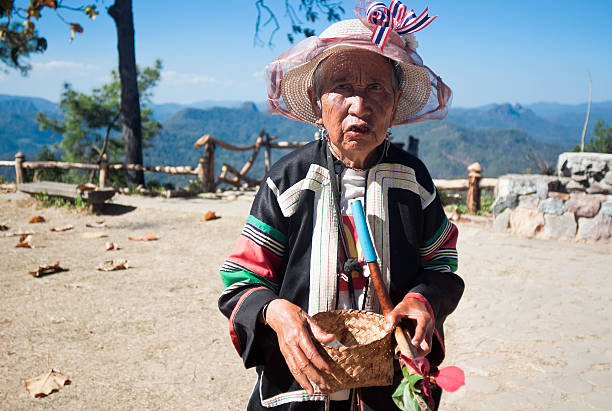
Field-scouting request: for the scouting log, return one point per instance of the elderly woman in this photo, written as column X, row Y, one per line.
column 289, row 261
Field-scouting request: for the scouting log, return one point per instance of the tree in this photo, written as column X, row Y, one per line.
column 91, row 123
column 18, row 35
column 312, row 9
column 600, row 141
column 17, row 43
column 121, row 12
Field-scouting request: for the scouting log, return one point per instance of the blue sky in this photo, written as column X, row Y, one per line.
column 487, row 51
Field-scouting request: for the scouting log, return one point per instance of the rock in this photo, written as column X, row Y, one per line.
column 526, row 223
column 583, row 163
column 528, row 202
column 598, row 166
column 607, row 178
column 574, row 186
column 561, row 196
column 502, row 203
column 516, row 184
column 598, row 228
column 584, row 205
column 560, row 226
column 606, row 208
column 500, row 224
column 552, row 206
column 544, row 186
column 599, row 188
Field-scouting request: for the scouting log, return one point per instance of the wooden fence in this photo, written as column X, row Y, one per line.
column 206, row 165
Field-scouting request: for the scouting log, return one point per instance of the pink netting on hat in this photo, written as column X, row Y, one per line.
column 425, row 96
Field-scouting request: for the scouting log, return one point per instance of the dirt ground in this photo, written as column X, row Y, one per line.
column 532, row 331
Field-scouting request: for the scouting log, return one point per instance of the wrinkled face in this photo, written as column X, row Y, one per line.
column 358, row 103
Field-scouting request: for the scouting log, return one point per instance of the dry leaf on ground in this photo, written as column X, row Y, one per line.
column 97, row 224
column 37, row 219
column 111, row 246
column 3, row 227
column 25, row 241
column 94, row 235
column 210, row 215
column 43, row 270
column 146, row 237
column 87, row 187
column 64, row 228
column 113, row 265
column 46, row 383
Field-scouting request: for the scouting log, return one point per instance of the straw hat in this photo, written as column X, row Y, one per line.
column 424, row 95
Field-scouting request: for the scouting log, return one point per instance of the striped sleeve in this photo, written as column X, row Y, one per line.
column 257, row 256
column 251, row 278
column 440, row 251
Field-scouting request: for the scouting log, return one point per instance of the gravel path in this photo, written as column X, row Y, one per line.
column 532, row 330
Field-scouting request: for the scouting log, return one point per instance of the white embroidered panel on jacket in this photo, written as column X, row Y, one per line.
column 323, row 257
column 381, row 178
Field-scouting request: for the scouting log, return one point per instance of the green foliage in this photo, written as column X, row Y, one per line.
column 91, row 122
column 486, row 204
column 48, row 174
column 409, row 396
column 44, row 199
column 79, row 203
column 2, row 180
column 18, row 35
column 459, row 207
column 600, row 141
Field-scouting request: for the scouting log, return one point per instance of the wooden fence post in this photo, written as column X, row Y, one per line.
column 103, row 171
column 473, row 193
column 267, row 156
column 20, row 174
column 206, row 168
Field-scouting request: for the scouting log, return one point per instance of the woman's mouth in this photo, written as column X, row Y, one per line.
column 358, row 128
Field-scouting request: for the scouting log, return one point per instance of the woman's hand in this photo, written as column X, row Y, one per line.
column 414, row 309
column 295, row 330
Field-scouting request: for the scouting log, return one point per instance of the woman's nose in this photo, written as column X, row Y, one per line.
column 359, row 105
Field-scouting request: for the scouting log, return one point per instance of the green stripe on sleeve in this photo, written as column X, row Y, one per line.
column 277, row 235
column 451, row 262
column 234, row 276
column 436, row 235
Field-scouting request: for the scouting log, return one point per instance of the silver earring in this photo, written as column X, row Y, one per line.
column 323, row 135
column 387, row 143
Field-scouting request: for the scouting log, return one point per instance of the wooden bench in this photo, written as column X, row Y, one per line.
column 94, row 197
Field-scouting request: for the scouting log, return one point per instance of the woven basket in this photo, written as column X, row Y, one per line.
column 366, row 359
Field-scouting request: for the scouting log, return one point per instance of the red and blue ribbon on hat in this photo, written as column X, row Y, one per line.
column 396, row 17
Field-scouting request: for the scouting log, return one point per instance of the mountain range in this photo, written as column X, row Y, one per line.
column 502, row 137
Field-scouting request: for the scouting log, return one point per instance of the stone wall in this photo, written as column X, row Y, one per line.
column 575, row 204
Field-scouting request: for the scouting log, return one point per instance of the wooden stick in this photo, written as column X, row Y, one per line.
column 401, row 337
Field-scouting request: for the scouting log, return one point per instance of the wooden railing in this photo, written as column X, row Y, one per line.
column 204, row 170
column 231, row 175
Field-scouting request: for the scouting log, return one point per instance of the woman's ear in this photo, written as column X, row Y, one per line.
column 314, row 104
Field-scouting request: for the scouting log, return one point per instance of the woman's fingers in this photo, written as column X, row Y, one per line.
column 295, row 331
column 414, row 309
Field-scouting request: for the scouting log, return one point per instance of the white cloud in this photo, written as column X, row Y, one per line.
column 63, row 65
column 171, row 77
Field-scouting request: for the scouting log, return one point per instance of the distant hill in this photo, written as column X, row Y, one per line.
column 507, row 116
column 447, row 149
column 18, row 131
column 499, row 136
